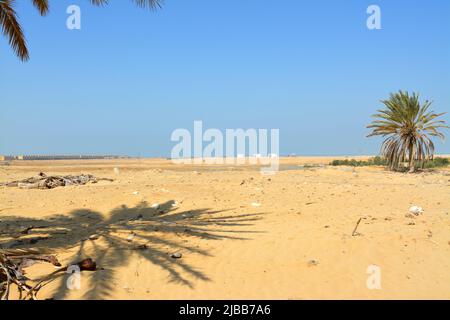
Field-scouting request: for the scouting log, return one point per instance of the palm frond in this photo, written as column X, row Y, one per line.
column 12, row 30
column 152, row 4
column 42, row 6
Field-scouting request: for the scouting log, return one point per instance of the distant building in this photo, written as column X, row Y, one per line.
column 66, row 157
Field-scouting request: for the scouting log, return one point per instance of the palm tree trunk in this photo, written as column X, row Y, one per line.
column 412, row 167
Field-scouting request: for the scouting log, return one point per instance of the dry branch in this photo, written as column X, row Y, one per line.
column 50, row 182
column 355, row 233
column 13, row 263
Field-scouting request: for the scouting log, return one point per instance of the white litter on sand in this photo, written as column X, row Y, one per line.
column 155, row 206
column 131, row 237
column 416, row 210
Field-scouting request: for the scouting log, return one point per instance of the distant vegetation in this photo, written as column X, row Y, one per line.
column 379, row 161
column 437, row 163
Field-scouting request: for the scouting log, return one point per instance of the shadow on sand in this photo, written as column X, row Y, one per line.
column 150, row 230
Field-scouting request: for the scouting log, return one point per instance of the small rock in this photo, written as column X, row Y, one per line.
column 176, row 255
column 313, row 263
column 94, row 237
column 135, row 193
column 87, row 265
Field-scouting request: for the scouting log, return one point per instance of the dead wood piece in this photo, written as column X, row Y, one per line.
column 50, row 182
column 355, row 233
column 13, row 263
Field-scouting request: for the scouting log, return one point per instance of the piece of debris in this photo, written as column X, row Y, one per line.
column 355, row 233
column 313, row 263
column 138, row 218
column 142, row 247
column 116, row 171
column 256, row 204
column 135, row 193
column 28, row 241
column 12, row 265
column 50, row 182
column 94, row 237
column 416, row 210
column 27, row 230
column 131, row 237
column 176, row 255
column 87, row 265
column 155, row 206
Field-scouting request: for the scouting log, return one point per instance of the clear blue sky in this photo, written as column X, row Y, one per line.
column 129, row 77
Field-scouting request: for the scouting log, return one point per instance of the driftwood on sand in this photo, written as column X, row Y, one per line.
column 12, row 271
column 50, row 182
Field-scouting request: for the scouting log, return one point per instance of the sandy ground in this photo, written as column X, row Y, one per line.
column 242, row 235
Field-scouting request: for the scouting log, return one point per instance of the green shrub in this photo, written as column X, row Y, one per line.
column 437, row 163
column 379, row 161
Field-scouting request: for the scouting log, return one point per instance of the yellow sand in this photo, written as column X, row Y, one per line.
column 242, row 235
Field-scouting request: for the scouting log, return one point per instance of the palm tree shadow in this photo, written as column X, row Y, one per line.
column 114, row 239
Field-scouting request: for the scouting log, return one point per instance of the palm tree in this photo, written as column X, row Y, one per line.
column 12, row 29
column 408, row 127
